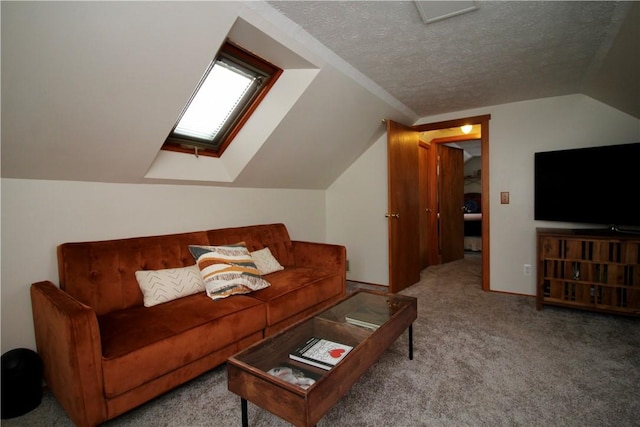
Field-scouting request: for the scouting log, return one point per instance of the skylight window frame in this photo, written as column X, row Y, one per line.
column 247, row 60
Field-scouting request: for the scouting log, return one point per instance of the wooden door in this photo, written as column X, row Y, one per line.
column 429, row 254
column 402, row 216
column 451, row 203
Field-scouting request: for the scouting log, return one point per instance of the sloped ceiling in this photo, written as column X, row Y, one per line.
column 504, row 51
column 91, row 89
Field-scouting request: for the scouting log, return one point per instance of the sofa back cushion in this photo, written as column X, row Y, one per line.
column 272, row 236
column 102, row 274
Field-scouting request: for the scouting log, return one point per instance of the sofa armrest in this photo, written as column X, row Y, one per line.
column 331, row 257
column 68, row 342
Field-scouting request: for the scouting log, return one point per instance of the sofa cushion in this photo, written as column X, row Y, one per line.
column 265, row 261
column 167, row 336
column 160, row 286
column 296, row 289
column 227, row 270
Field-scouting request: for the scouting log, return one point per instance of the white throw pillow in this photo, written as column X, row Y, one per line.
column 160, row 286
column 265, row 261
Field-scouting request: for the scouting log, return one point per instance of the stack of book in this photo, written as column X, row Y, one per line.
column 367, row 319
column 320, row 352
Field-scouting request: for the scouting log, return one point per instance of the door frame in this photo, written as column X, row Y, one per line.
column 483, row 121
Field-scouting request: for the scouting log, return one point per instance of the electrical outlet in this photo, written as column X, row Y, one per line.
column 504, row 197
column 527, row 269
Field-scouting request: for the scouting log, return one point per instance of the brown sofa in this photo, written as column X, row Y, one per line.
column 105, row 353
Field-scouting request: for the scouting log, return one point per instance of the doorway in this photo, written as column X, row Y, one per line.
column 427, row 224
column 458, row 192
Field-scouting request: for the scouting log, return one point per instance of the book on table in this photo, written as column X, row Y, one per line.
column 320, row 352
column 367, row 318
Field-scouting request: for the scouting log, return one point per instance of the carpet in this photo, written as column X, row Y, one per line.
column 480, row 359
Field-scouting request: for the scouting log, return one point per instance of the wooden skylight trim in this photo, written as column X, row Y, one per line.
column 179, row 144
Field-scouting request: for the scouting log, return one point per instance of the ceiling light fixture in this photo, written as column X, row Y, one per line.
column 466, row 129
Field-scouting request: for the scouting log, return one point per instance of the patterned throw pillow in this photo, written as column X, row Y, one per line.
column 227, row 270
column 265, row 261
column 160, row 286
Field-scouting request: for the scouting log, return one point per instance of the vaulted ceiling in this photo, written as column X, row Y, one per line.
column 501, row 52
column 90, row 90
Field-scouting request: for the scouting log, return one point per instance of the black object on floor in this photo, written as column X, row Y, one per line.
column 21, row 382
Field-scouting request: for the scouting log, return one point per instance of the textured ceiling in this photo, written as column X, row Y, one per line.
column 371, row 60
column 502, row 52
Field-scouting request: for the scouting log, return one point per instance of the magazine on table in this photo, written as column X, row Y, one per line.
column 367, row 318
column 294, row 375
column 362, row 323
column 320, row 352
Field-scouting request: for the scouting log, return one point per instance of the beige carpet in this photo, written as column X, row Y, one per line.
column 480, row 359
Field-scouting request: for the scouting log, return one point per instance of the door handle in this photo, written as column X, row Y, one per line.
column 392, row 215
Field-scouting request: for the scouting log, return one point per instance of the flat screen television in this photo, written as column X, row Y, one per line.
column 595, row 185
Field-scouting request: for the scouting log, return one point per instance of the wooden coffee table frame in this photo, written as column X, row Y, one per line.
column 247, row 375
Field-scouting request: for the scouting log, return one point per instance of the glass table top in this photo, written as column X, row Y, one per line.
column 348, row 323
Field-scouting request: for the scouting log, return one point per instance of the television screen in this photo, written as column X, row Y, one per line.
column 595, row 185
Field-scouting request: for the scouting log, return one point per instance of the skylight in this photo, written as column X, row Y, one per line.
column 232, row 87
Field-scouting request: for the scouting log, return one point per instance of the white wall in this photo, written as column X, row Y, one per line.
column 39, row 215
column 356, row 205
column 357, row 201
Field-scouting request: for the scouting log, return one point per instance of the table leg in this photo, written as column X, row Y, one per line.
column 245, row 417
column 411, row 341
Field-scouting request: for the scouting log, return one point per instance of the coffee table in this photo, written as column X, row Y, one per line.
column 247, row 370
